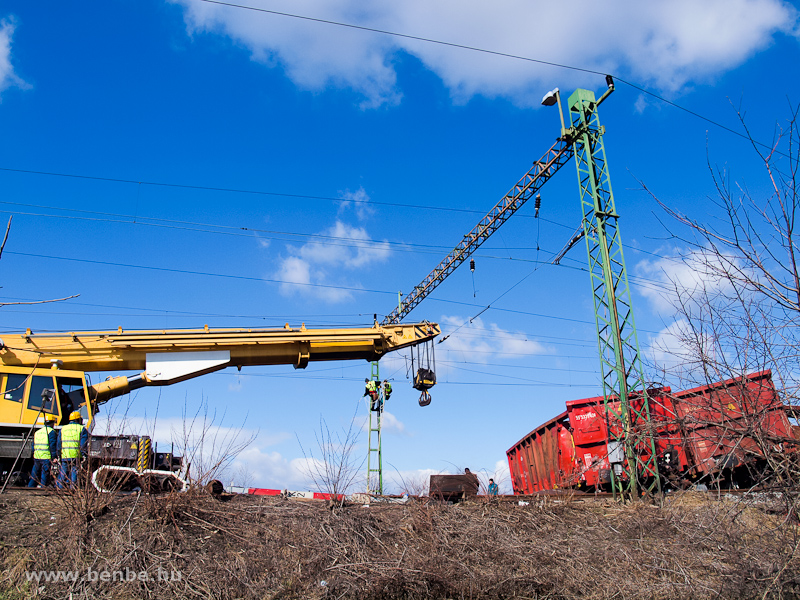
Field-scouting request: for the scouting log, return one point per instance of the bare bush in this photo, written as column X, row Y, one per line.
column 208, row 446
column 335, row 468
column 250, row 547
column 413, row 484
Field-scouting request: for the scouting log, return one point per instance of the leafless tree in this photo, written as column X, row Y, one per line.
column 335, row 468
column 741, row 311
column 745, row 311
column 208, row 446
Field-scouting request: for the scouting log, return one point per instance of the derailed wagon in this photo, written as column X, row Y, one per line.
column 720, row 433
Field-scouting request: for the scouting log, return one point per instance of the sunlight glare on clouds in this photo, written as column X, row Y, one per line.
column 666, row 45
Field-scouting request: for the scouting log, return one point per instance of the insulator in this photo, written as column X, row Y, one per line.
column 472, row 264
column 538, row 204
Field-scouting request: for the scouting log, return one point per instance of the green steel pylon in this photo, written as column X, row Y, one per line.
column 630, row 430
column 375, row 457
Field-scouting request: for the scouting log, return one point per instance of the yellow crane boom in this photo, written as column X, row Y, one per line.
column 129, row 350
column 172, row 355
column 43, row 375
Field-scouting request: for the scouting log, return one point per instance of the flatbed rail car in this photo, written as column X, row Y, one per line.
column 718, row 431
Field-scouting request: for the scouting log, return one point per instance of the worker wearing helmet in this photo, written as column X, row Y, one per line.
column 44, row 450
column 387, row 389
column 371, row 390
column 72, row 441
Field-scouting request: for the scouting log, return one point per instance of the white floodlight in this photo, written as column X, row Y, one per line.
column 550, row 98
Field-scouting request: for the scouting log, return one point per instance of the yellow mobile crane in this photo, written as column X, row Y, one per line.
column 45, row 374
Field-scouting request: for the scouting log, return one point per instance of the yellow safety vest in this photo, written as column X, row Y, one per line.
column 41, row 443
column 371, row 386
column 71, row 440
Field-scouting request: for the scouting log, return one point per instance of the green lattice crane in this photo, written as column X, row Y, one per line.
column 632, row 452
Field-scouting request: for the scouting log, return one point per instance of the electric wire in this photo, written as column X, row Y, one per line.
column 348, row 380
column 203, row 273
column 220, row 189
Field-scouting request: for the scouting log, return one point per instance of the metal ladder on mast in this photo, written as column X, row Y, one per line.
column 375, row 457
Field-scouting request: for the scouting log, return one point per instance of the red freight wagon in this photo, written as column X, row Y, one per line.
column 726, row 425
column 702, row 431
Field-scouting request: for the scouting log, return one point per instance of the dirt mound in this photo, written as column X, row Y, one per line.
column 193, row 546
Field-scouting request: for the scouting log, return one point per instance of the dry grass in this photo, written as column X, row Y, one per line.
column 270, row 548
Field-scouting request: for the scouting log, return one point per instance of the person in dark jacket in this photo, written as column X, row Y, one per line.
column 44, row 451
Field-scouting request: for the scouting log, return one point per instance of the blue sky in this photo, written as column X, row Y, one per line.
column 417, row 134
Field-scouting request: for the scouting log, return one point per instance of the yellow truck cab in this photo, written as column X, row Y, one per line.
column 23, row 404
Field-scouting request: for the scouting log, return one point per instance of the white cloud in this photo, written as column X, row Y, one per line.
column 360, row 202
column 413, row 482
column 323, row 262
column 478, row 342
column 183, row 432
column 501, row 476
column 640, row 104
column 664, row 44
column 681, row 277
column 389, row 423
column 258, row 467
column 667, row 348
column 8, row 78
column 678, row 351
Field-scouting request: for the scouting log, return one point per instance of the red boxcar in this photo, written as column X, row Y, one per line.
column 718, row 429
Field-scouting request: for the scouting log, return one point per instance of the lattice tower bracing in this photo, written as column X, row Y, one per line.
column 629, row 426
column 375, row 456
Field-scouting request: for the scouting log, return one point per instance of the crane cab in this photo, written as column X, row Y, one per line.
column 23, row 405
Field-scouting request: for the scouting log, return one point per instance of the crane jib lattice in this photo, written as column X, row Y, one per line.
column 543, row 169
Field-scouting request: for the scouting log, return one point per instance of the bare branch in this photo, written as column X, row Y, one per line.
column 40, row 301
column 5, row 237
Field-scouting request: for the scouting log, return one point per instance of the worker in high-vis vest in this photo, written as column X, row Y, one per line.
column 72, row 441
column 371, row 390
column 45, row 449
